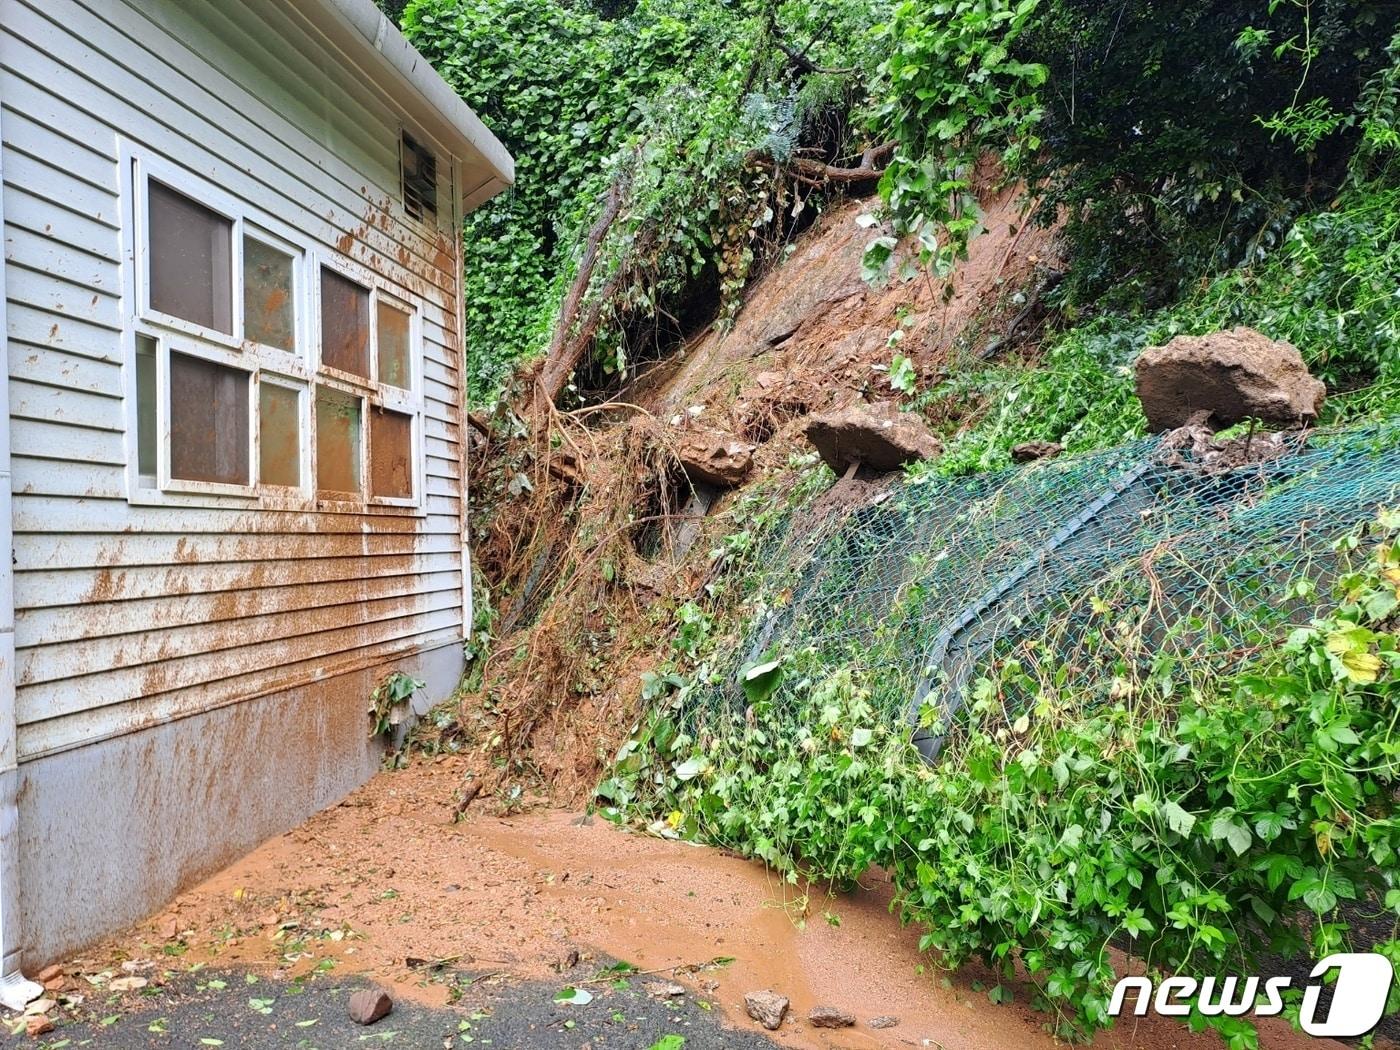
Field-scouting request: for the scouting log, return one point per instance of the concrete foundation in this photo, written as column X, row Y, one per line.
column 110, row 832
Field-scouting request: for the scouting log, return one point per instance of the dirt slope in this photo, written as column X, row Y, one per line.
column 811, row 335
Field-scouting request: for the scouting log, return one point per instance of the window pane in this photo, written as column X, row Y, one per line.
column 208, row 421
column 344, row 324
column 190, row 264
column 393, row 347
column 337, row 442
column 146, row 406
column 279, row 435
column 267, row 295
column 390, row 454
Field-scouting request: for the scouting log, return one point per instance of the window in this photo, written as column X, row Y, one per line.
column 208, row 422
column 390, row 454
column 394, row 341
column 250, row 379
column 419, row 169
column 338, row 442
column 269, row 295
column 279, row 435
column 190, row 260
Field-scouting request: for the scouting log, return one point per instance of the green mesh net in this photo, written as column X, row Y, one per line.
column 1116, row 568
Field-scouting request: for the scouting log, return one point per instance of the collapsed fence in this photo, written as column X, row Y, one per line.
column 1108, row 567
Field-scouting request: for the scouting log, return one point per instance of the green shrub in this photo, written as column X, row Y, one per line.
column 1330, row 289
column 1202, row 812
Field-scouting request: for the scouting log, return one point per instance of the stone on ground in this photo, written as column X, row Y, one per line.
column 767, row 1008
column 829, row 1017
column 1028, row 451
column 369, row 1005
column 713, row 457
column 884, row 1021
column 878, row 436
column 1226, row 377
column 36, row 1025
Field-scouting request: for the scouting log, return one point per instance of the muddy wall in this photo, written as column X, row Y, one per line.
column 109, row 833
column 191, row 667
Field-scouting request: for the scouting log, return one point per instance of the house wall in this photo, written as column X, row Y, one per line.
column 191, row 678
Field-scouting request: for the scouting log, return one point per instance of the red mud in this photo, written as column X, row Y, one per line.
column 386, row 875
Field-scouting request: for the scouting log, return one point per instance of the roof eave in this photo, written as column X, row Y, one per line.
column 375, row 46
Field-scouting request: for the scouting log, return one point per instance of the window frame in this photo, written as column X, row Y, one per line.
column 300, row 370
column 375, row 393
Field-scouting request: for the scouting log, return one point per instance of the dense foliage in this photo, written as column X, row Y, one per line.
column 1203, row 812
column 1329, row 289
column 669, row 100
column 1173, row 139
column 1180, row 138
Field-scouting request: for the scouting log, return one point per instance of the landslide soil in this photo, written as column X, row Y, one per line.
column 388, row 875
column 811, row 335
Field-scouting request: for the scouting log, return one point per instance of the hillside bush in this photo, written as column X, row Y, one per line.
column 1203, row 813
column 1330, row 289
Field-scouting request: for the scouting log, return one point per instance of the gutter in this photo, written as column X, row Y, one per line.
column 15, row 991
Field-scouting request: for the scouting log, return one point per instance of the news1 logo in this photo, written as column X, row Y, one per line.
column 1358, row 995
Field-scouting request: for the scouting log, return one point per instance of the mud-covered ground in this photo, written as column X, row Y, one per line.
column 493, row 916
column 239, row 1010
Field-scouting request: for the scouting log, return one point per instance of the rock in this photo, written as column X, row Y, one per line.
column 878, row 436
column 41, row 1006
column 1226, row 377
column 369, row 1005
column 1028, row 451
column 767, row 1008
column 713, row 457
column 48, row 973
column 127, row 984
column 36, row 1025
column 663, row 989
column 883, row 1021
column 829, row 1017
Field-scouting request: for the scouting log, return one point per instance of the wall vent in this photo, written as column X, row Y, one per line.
column 419, row 168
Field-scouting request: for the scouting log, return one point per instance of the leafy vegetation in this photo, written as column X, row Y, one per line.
column 1203, row 811
column 669, row 101
column 1329, row 289
column 1173, row 140
column 389, row 701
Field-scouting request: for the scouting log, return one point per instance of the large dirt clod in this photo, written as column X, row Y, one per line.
column 712, row 457
column 877, row 436
column 1225, row 377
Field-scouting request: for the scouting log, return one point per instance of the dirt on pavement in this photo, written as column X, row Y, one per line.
column 387, row 886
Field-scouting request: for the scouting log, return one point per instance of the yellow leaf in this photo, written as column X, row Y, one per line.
column 675, row 818
column 1362, row 668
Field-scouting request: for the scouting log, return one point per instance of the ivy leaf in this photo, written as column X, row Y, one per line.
column 1177, row 818
column 1351, row 654
column 760, row 680
column 1233, row 830
column 1320, row 899
column 692, row 767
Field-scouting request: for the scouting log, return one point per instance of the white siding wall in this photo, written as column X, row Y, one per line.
column 130, row 615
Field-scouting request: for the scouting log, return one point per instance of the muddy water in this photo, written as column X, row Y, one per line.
column 387, row 876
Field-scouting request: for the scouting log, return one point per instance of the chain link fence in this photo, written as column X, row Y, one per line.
column 1108, row 567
